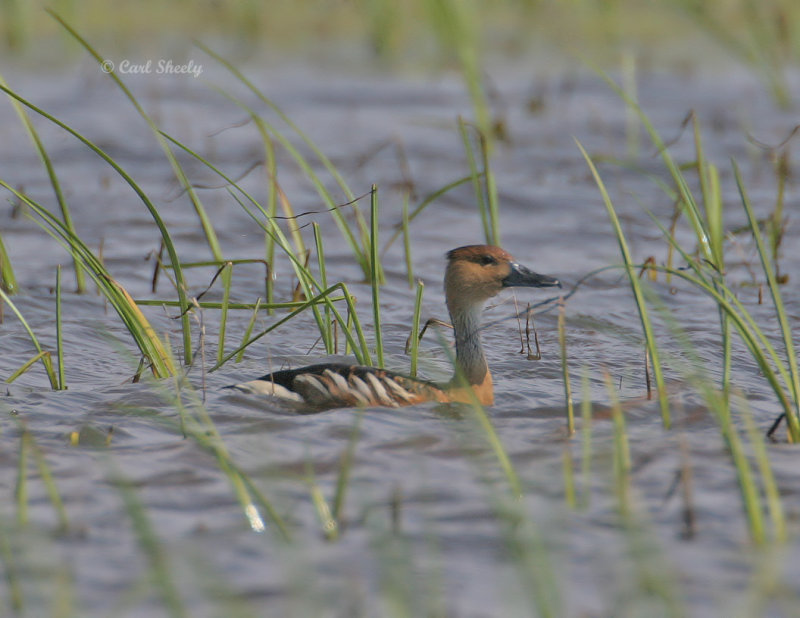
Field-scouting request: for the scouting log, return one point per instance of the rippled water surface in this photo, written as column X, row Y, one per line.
column 428, row 527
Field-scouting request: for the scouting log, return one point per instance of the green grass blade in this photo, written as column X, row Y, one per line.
column 271, row 166
column 712, row 200
column 323, row 278
column 303, row 274
column 46, row 473
column 180, row 286
column 345, row 467
column 200, row 427
column 302, row 307
column 716, row 402
column 586, row 442
column 62, row 382
column 208, row 229
column 427, row 201
column 308, row 142
column 780, row 311
column 358, row 251
column 562, row 343
column 276, row 194
column 636, row 288
column 685, row 194
column 28, row 364
column 227, row 271
column 28, row 446
column 8, row 282
column 270, row 227
column 135, row 321
column 771, row 492
column 747, row 485
column 375, row 275
column 209, row 304
column 475, row 176
column 249, row 330
column 753, row 336
column 621, row 453
column 414, row 339
column 485, row 425
column 330, row 527
column 406, row 244
column 161, row 573
column 13, row 576
column 42, row 355
column 759, row 345
column 492, row 199
column 456, row 25
column 486, row 193
column 21, row 487
column 80, row 279
column 569, row 475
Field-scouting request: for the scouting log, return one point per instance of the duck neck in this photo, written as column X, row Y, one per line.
column 469, row 352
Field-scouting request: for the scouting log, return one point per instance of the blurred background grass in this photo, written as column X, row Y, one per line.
column 761, row 33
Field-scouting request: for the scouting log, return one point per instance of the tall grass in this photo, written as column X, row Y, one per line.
column 178, row 170
column 329, row 299
column 719, row 403
column 483, row 182
column 149, row 343
column 8, row 282
column 134, row 319
column 705, row 270
column 160, row 571
column 41, row 355
column 375, row 281
column 80, row 279
column 307, row 280
column 762, row 34
column 62, row 382
column 360, row 249
column 413, row 346
column 636, row 287
column 11, row 570
column 456, row 24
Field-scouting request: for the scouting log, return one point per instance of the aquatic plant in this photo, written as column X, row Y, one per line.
column 6, row 274
column 705, row 270
column 603, row 469
column 8, row 282
column 41, row 355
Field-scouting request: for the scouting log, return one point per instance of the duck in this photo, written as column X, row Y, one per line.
column 473, row 275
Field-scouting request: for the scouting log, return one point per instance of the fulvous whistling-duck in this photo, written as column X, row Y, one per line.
column 474, row 274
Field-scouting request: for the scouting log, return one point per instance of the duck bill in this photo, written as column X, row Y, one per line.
column 523, row 277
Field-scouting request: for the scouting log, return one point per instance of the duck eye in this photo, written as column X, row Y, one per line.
column 487, row 259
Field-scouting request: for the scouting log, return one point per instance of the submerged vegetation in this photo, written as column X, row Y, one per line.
column 703, row 264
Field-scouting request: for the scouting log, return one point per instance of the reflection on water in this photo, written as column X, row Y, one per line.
column 422, row 527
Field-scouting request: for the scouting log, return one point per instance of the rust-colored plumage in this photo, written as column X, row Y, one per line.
column 474, row 274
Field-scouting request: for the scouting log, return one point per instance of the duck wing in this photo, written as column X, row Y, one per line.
column 339, row 385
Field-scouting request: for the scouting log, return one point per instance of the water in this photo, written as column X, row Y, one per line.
column 422, row 527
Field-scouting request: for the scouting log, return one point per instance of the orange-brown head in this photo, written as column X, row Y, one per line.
column 475, row 273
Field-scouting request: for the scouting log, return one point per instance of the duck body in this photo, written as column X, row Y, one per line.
column 340, row 385
column 474, row 274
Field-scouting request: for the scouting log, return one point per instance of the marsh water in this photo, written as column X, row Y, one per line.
column 425, row 529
